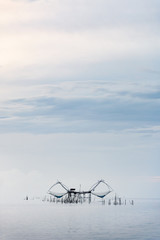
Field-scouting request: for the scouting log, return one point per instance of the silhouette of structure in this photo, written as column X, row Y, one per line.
column 70, row 195
column 59, row 193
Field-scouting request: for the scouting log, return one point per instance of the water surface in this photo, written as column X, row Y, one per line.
column 50, row 221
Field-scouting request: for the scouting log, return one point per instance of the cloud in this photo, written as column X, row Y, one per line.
column 79, row 88
column 152, row 71
column 68, row 39
column 156, row 179
column 25, row 0
column 94, row 14
column 151, row 95
column 83, row 106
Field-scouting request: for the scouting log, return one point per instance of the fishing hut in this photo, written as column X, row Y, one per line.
column 69, row 195
column 59, row 192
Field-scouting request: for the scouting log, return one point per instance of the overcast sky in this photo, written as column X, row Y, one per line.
column 79, row 95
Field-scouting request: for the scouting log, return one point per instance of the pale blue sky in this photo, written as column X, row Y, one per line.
column 79, row 95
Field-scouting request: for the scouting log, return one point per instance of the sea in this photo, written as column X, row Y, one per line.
column 31, row 220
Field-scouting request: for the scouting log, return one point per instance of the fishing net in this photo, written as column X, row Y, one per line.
column 101, row 189
column 58, row 190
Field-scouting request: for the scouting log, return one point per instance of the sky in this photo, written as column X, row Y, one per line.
column 79, row 96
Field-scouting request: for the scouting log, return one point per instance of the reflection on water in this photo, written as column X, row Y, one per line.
column 35, row 221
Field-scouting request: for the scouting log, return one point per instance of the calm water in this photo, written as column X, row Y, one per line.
column 49, row 221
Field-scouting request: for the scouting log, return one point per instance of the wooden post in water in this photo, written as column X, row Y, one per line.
column 90, row 197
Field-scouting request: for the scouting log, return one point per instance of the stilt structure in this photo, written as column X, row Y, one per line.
column 70, row 195
column 59, row 193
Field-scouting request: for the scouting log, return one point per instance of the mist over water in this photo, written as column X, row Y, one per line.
column 31, row 220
